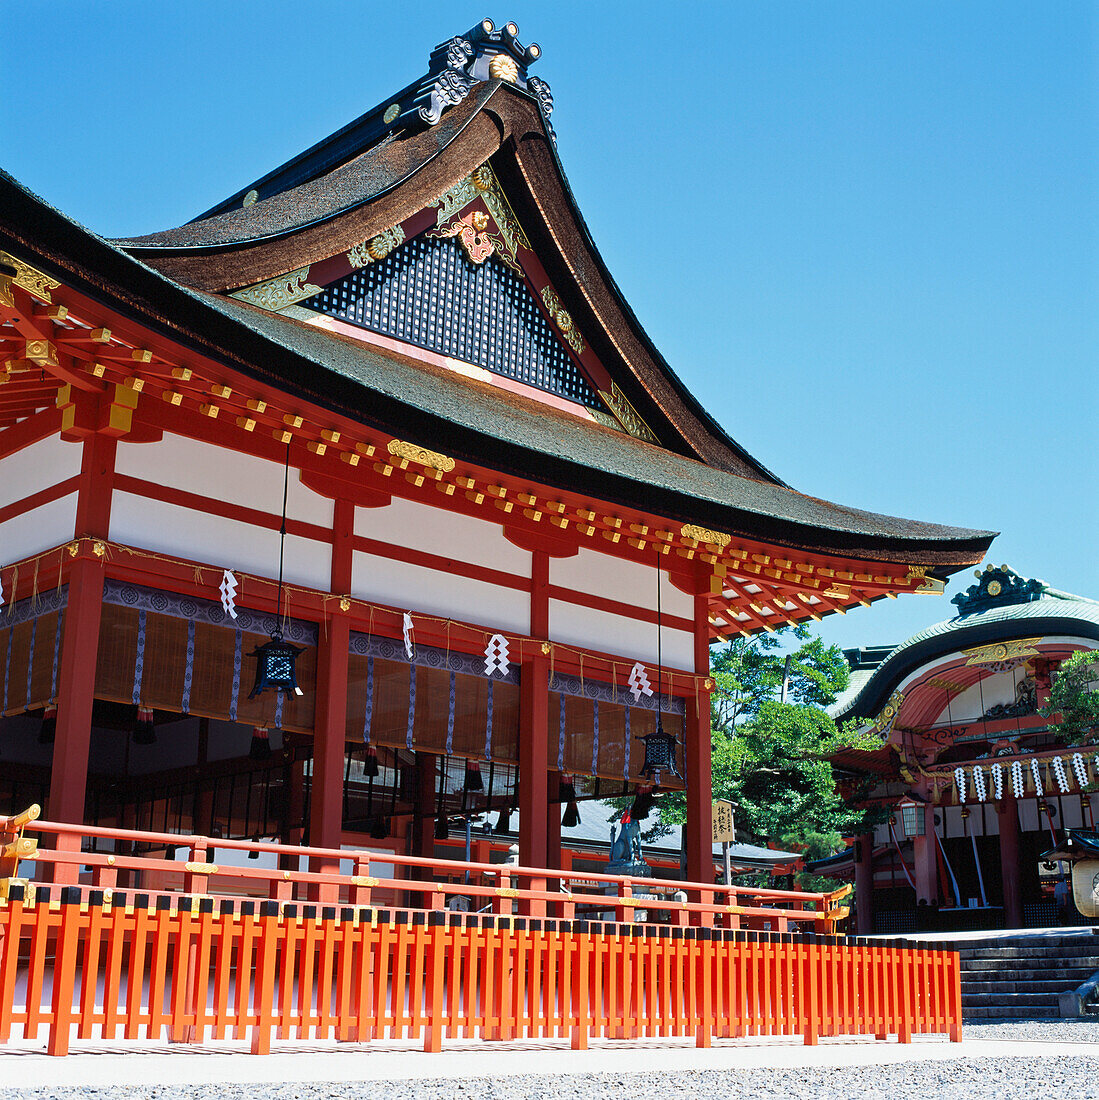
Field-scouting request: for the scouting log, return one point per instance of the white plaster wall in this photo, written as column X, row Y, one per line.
column 991, row 691
column 438, row 531
column 198, row 536
column 591, row 629
column 615, row 579
column 433, row 592
column 223, row 474
column 38, row 530
column 37, row 467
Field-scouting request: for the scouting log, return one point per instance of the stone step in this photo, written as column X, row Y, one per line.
column 1006, row 1012
column 1080, row 952
column 1020, row 1002
column 1008, row 986
column 980, row 966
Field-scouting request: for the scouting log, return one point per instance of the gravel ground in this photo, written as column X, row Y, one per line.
column 1044, row 1078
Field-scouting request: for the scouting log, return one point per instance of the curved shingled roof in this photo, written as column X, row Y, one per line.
column 1053, row 613
column 469, row 420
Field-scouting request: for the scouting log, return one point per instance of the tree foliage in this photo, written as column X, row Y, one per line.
column 1075, row 695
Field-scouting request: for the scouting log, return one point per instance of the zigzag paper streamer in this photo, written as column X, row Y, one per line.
column 496, row 655
column 639, row 681
column 228, row 592
column 408, row 628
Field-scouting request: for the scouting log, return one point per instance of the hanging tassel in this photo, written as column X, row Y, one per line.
column 474, row 782
column 567, row 789
column 144, row 731
column 379, row 828
column 370, row 764
column 503, row 822
column 571, row 817
column 48, row 730
column 260, row 749
column 642, row 803
column 442, row 827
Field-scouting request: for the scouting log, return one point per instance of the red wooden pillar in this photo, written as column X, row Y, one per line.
column 553, row 820
column 925, row 856
column 80, row 645
column 330, row 722
column 1009, row 861
column 699, row 828
column 864, row 884
column 533, row 766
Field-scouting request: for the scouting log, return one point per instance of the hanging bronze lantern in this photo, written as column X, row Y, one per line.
column 275, row 667
column 659, row 754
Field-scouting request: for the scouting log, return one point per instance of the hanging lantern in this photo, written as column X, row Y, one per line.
column 474, row 782
column 275, row 666
column 370, row 763
column 503, row 822
column 260, row 749
column 912, row 818
column 144, row 731
column 659, row 754
column 642, row 803
column 442, row 827
column 48, row 730
column 571, row 816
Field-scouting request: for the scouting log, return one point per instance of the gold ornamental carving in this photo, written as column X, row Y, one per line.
column 502, row 67
column 563, row 320
column 280, row 292
column 201, row 868
column 928, row 586
column 1016, row 651
column 627, row 415
column 411, row 453
column 30, row 278
column 888, row 715
column 376, row 248
column 471, row 235
column 482, row 184
column 704, row 534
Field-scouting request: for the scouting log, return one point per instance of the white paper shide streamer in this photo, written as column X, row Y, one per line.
column 1037, row 773
column 1017, row 781
column 959, row 780
column 496, row 655
column 1060, row 774
column 408, row 628
column 979, row 783
column 228, row 590
column 639, row 681
column 997, row 772
column 1079, row 766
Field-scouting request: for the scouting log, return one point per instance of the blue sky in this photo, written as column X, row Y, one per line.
column 865, row 234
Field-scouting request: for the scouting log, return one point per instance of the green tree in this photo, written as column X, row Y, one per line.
column 1075, row 696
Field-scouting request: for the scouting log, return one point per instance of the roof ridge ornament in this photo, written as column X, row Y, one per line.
column 483, row 53
column 996, row 586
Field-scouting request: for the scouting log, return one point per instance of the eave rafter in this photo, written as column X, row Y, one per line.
column 107, row 375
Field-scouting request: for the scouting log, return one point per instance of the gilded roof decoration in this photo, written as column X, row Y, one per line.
column 627, row 415
column 282, row 291
column 376, row 248
column 563, row 319
column 411, row 453
column 30, row 278
column 1014, row 651
column 996, row 586
column 482, row 184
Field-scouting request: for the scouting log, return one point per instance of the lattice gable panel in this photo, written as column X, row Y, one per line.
column 427, row 292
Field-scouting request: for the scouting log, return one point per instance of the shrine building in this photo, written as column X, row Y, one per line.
column 978, row 784
column 363, row 501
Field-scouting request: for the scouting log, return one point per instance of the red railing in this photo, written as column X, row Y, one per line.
column 326, row 954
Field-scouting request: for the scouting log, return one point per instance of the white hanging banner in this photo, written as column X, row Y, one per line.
column 228, row 591
column 639, row 681
column 496, row 655
column 1017, row 781
column 408, row 628
column 1060, row 774
column 997, row 771
column 959, row 779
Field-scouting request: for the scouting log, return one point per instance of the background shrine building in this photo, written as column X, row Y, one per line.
column 977, row 782
column 511, row 533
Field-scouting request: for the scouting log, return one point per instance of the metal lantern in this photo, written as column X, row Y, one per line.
column 275, row 667
column 912, row 818
column 659, row 754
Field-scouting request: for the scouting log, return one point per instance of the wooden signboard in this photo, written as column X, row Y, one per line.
column 723, row 822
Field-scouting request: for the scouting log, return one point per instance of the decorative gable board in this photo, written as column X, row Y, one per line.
column 427, row 292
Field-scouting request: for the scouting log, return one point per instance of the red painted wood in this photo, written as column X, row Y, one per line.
column 34, row 428
column 539, row 595
column 97, row 473
column 533, row 762
column 697, row 752
column 43, row 496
